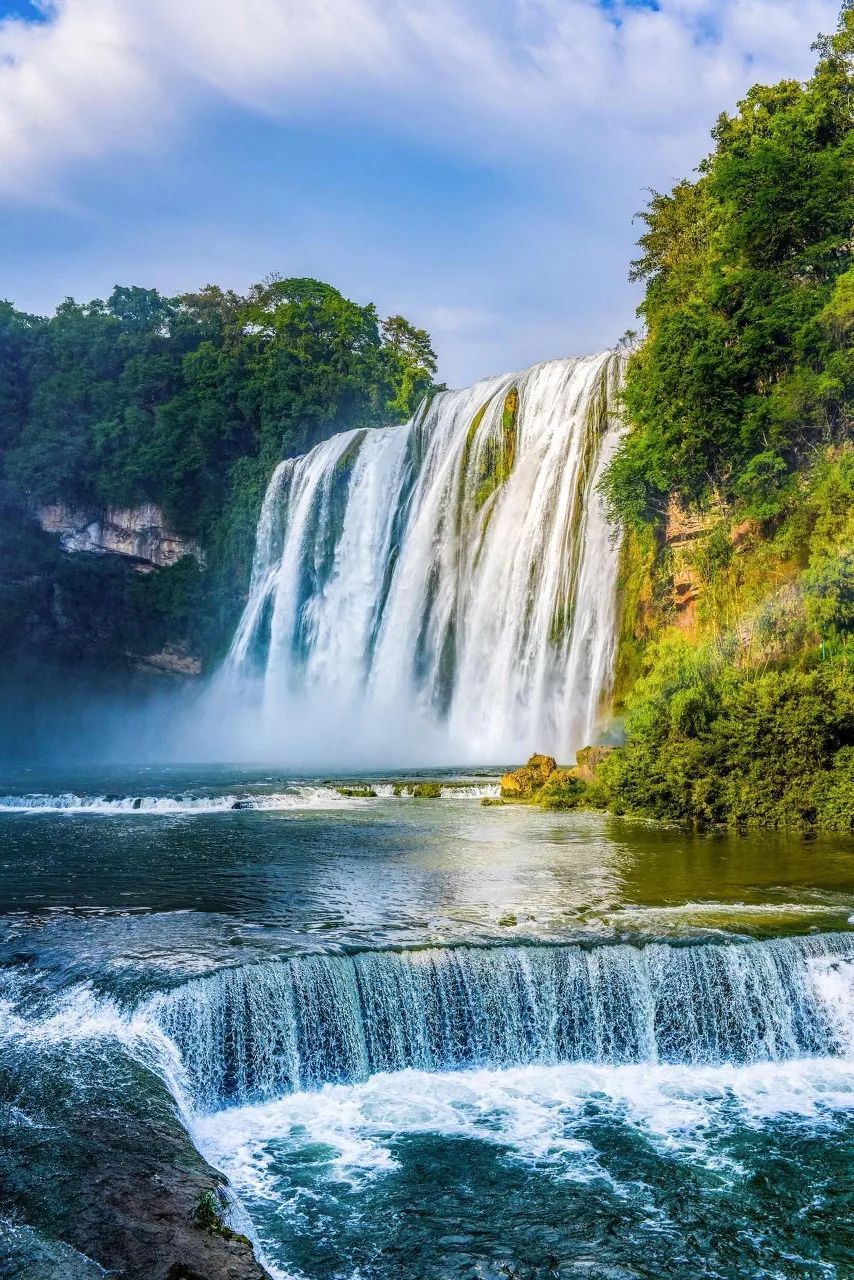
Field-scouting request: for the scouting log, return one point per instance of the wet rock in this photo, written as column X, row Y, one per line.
column 242, row 804
column 107, row 1174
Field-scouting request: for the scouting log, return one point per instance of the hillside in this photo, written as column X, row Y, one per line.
column 735, row 481
column 143, row 409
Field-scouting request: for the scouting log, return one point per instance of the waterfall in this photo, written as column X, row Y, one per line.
column 260, row 1031
column 459, row 567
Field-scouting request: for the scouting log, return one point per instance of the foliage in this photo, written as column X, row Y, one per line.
column 495, row 459
column 734, row 668
column 427, row 791
column 189, row 402
column 748, row 361
column 710, row 743
column 208, row 1216
column 733, row 701
column 563, row 791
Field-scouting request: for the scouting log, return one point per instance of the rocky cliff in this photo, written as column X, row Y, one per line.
column 138, row 533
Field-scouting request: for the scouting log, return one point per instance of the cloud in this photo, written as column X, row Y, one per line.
column 495, row 79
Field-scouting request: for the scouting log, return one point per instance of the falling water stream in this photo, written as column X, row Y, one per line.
column 458, row 569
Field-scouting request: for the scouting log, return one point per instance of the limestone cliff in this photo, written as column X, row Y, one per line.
column 139, row 533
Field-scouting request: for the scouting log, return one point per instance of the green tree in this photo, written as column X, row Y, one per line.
column 748, row 361
column 189, row 403
column 413, row 364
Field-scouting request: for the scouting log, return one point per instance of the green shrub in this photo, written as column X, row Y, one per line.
column 427, row 790
column 710, row 743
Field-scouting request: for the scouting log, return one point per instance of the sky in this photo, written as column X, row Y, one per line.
column 472, row 164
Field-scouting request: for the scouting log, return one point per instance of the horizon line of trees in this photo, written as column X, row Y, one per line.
column 148, row 397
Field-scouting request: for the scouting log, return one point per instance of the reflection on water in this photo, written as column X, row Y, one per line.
column 176, row 893
column 555, row 1169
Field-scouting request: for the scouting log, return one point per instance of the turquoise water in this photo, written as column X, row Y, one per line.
column 431, row 1038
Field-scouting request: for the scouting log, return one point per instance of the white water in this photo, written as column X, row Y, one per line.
column 256, row 1032
column 516, row 1047
column 681, row 1045
column 308, row 797
column 535, row 1111
column 300, row 797
column 445, row 588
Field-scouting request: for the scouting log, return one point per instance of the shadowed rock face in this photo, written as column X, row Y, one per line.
column 95, row 1161
column 140, row 533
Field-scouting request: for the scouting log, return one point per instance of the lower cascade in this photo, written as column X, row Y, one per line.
column 458, row 569
column 260, row 1031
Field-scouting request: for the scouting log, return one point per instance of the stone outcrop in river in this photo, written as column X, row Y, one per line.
column 541, row 779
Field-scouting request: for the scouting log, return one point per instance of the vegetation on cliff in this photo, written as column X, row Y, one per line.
column 735, row 482
column 186, row 402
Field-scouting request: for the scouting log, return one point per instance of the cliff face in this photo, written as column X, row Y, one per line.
column 139, row 533
column 120, row 597
column 734, row 664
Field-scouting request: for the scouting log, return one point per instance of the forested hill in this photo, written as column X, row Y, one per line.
column 735, row 481
column 187, row 403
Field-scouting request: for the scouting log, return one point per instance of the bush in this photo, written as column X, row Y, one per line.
column 748, row 362
column 709, row 743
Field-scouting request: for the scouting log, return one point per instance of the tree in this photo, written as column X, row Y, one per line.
column 414, row 364
column 748, row 362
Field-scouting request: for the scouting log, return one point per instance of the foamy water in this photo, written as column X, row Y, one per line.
column 301, row 1163
column 532, row 1111
column 300, row 797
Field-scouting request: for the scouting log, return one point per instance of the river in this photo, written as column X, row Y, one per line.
column 425, row 1038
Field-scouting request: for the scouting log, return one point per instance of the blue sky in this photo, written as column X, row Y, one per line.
column 474, row 164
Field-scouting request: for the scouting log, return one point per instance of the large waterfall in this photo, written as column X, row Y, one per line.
column 263, row 1030
column 455, row 574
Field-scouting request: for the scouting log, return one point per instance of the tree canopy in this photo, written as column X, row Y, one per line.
column 748, row 359
column 144, row 397
column 189, row 402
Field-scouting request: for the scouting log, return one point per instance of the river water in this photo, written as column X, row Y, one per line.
column 431, row 1039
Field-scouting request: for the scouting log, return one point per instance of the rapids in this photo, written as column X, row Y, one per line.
column 258, row 1031
column 422, row 1038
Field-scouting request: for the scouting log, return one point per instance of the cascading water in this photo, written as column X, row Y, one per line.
column 456, row 571
column 261, row 1031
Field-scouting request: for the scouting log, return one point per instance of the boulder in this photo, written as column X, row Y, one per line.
column 525, row 781
column 544, row 766
column 587, row 761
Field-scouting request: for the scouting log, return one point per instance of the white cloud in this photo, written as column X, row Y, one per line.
column 494, row 77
